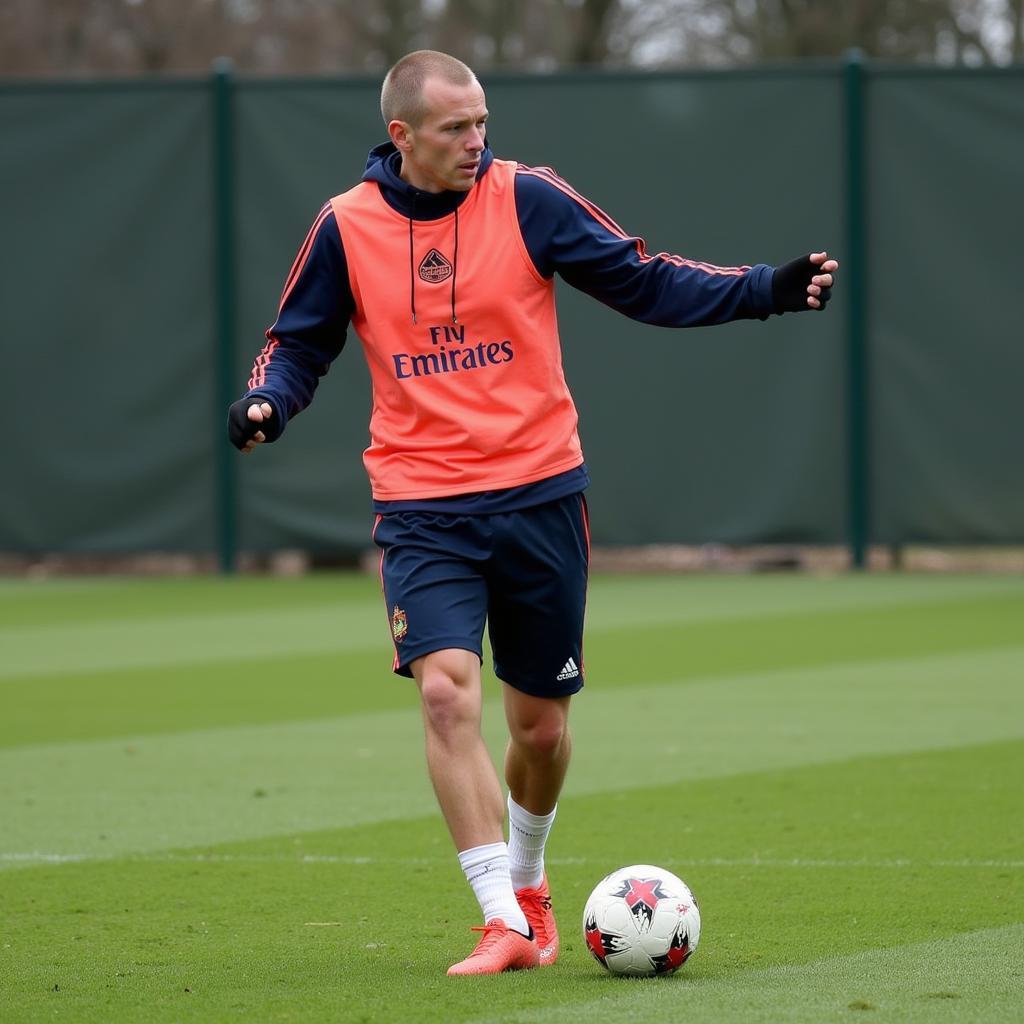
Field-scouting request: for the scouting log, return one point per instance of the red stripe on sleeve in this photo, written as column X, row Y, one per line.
column 303, row 255
column 548, row 175
column 259, row 370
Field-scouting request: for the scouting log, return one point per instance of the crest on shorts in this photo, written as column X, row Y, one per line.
column 435, row 268
column 399, row 625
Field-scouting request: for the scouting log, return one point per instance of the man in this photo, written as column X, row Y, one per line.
column 443, row 259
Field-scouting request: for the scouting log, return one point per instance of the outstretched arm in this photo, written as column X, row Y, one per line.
column 566, row 233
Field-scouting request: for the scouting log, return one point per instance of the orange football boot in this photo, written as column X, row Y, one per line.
column 536, row 905
column 500, row 949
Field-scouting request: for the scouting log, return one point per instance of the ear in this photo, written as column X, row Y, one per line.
column 400, row 134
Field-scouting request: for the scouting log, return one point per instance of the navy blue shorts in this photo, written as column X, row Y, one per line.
column 524, row 573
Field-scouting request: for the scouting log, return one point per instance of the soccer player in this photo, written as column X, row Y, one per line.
column 442, row 258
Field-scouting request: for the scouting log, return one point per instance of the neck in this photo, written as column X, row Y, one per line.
column 410, row 177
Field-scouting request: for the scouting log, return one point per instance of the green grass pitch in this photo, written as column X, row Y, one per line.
column 213, row 805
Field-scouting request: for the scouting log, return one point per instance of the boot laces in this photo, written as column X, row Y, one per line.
column 491, row 934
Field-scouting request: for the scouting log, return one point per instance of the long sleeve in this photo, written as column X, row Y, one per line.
column 312, row 323
column 567, row 234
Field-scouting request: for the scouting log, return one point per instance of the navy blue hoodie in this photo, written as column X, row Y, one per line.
column 564, row 233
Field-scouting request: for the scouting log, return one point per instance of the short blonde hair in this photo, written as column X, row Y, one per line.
column 401, row 98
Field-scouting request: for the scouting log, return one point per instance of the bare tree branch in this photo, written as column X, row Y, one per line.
column 303, row 36
column 590, row 45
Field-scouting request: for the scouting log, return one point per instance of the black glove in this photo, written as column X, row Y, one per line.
column 789, row 286
column 242, row 429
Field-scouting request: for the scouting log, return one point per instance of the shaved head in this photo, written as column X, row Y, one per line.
column 401, row 98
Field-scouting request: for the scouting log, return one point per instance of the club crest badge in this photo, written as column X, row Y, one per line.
column 435, row 268
column 399, row 625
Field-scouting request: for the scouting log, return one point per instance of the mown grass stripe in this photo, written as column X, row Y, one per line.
column 210, row 786
column 264, row 688
column 797, row 863
column 67, row 600
column 243, row 624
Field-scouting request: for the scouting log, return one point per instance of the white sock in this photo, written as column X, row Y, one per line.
column 486, row 870
column 527, row 834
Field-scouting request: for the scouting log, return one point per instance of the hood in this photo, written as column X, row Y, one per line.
column 383, row 165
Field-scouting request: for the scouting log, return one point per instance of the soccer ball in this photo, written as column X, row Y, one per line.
column 641, row 920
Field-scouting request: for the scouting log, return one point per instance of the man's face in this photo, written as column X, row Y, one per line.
column 443, row 150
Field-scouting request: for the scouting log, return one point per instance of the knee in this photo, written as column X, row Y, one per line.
column 544, row 736
column 449, row 699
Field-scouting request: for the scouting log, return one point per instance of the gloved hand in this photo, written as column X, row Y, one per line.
column 804, row 283
column 251, row 421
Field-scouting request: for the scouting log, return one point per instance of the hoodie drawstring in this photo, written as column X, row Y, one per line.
column 412, row 269
column 455, row 265
column 412, row 275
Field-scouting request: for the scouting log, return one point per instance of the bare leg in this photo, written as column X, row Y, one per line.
column 539, row 749
column 536, row 761
column 460, row 766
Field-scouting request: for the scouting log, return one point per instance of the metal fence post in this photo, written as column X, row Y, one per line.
column 225, row 391
column 854, row 284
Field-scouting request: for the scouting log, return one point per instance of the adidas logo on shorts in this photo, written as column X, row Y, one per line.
column 569, row 671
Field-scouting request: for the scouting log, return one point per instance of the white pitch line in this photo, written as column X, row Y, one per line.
column 44, row 858
column 315, row 858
